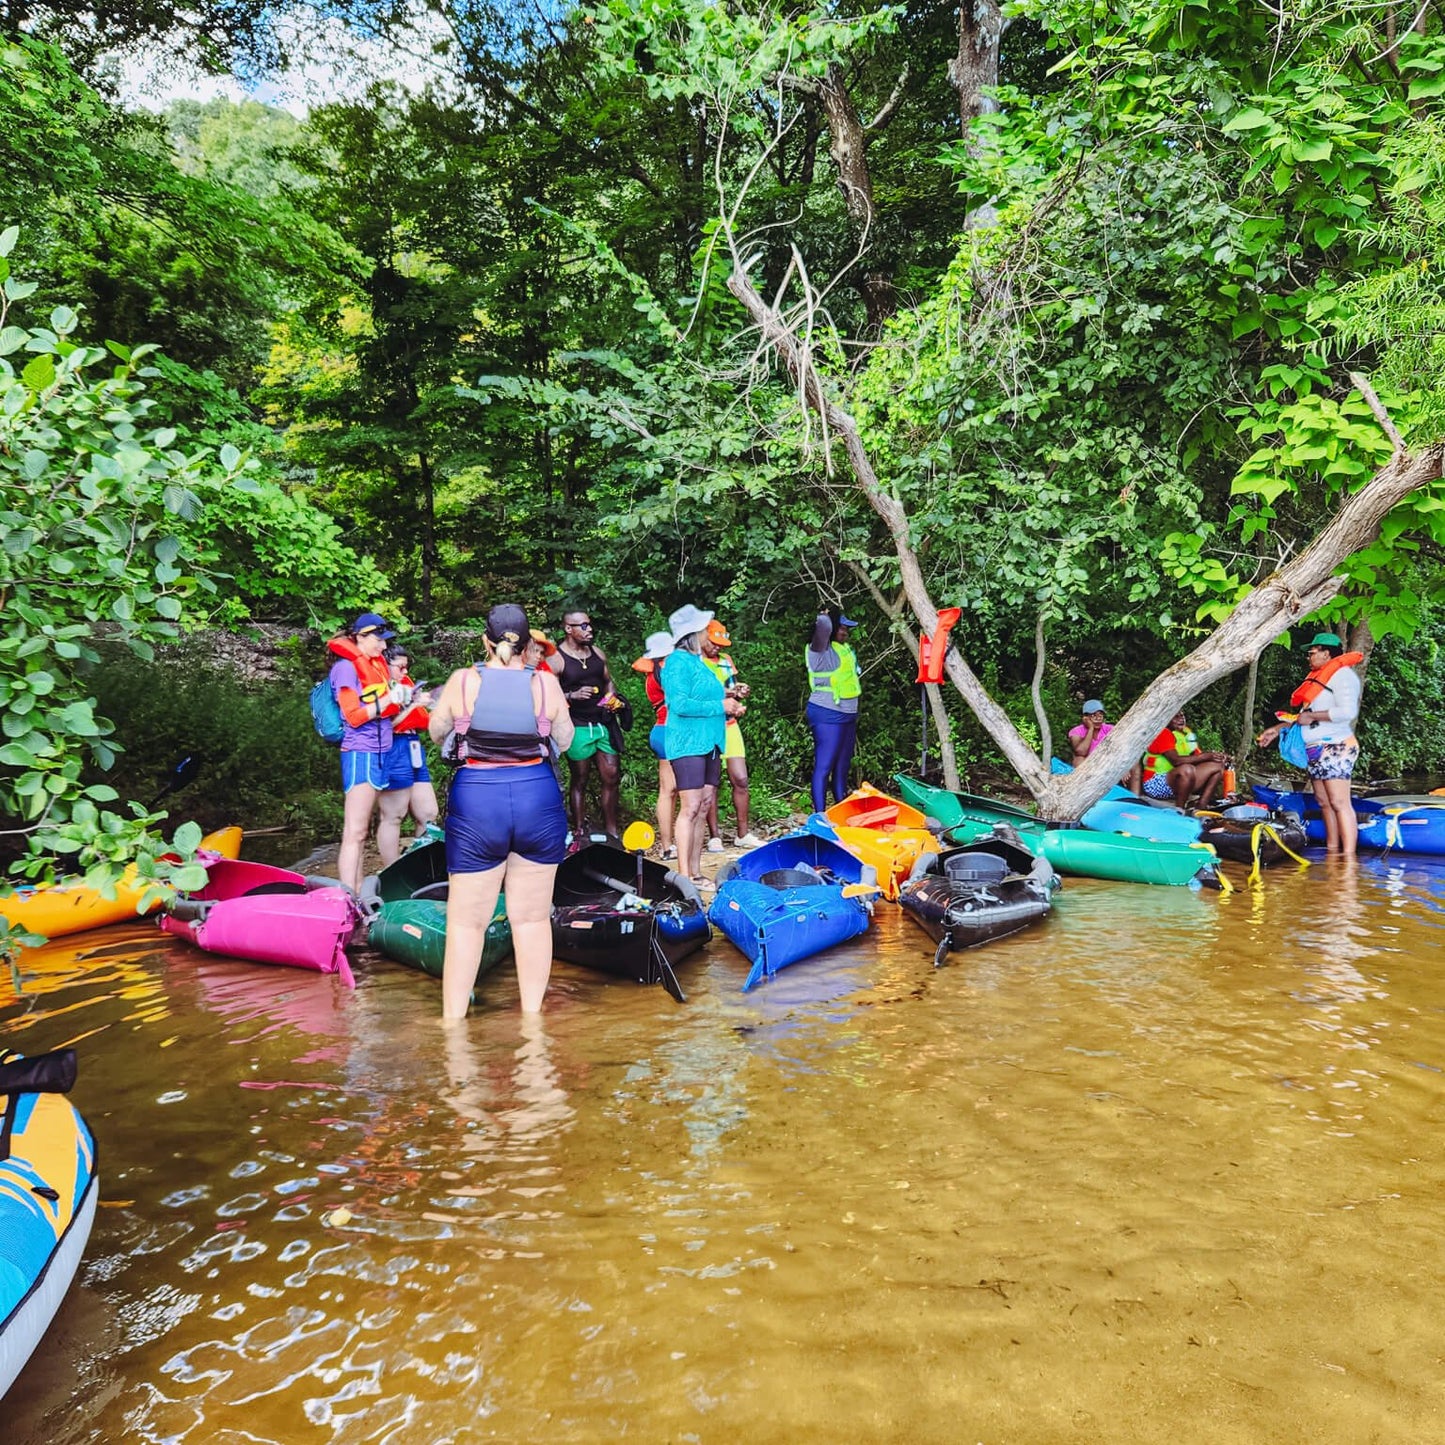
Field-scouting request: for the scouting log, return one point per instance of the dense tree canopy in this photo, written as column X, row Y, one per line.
column 1090, row 283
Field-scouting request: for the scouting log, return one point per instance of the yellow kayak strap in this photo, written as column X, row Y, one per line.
column 1257, row 834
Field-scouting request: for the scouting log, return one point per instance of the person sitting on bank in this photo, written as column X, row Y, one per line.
column 592, row 698
column 1175, row 769
column 1090, row 733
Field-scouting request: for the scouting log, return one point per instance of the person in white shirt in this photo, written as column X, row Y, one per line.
column 1329, row 699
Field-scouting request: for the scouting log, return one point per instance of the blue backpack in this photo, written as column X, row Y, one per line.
column 326, row 713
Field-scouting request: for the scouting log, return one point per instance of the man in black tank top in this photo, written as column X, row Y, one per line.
column 591, row 699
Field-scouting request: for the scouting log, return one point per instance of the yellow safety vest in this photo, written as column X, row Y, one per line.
column 843, row 681
column 1184, row 744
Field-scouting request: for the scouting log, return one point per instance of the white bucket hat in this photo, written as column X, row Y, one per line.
column 657, row 646
column 687, row 620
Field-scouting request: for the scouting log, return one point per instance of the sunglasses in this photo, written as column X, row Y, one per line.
column 578, row 626
column 368, row 631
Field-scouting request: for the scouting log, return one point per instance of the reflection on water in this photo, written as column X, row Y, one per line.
column 1162, row 1168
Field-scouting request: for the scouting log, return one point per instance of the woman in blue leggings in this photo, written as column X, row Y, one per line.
column 833, row 691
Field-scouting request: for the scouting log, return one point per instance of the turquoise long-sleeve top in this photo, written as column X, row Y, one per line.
column 695, row 723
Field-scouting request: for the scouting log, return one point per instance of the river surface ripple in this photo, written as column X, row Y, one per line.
column 1164, row 1169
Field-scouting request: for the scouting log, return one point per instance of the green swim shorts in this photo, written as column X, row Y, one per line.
column 590, row 738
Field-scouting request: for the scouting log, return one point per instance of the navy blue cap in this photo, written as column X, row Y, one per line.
column 846, row 622
column 371, row 622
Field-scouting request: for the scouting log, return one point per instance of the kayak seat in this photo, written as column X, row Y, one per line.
column 433, row 892
column 878, row 817
column 975, row 868
column 790, row 878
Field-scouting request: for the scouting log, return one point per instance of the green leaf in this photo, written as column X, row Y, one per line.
column 188, row 838
column 1251, row 118
column 8, row 237
column 191, row 877
column 39, row 374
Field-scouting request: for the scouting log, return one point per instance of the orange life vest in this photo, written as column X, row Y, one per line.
column 1319, row 679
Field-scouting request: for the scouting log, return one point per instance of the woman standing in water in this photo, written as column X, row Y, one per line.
column 1330, row 701
column 506, row 823
column 833, row 691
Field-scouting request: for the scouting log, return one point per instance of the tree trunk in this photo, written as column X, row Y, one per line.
column 974, row 70
column 1036, row 691
column 1246, row 722
column 973, row 73
column 946, row 755
column 848, row 148
column 428, row 533
column 1303, row 586
column 1361, row 639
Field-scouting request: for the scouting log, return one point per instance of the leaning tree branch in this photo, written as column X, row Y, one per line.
column 1300, row 587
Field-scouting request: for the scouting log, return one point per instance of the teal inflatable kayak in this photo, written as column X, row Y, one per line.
column 1085, row 854
column 1145, row 844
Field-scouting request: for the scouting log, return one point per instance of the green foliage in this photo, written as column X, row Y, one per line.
column 262, row 764
column 95, row 508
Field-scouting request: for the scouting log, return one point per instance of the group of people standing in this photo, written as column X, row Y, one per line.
column 507, row 720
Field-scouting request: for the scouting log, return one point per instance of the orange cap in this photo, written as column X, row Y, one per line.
column 717, row 634
column 549, row 648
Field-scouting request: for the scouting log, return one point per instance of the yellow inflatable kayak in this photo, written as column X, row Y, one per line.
column 884, row 832
column 55, row 909
column 48, row 1191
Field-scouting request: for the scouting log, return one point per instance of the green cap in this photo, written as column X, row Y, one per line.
column 1325, row 639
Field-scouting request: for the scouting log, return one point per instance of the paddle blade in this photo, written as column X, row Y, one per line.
column 639, row 837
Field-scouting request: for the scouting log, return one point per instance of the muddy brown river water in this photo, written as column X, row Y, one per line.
column 1167, row 1168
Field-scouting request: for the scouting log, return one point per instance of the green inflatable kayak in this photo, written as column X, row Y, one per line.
column 408, row 912
column 1076, row 852
column 413, row 931
column 964, row 810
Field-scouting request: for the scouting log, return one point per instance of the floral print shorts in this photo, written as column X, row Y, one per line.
column 1335, row 760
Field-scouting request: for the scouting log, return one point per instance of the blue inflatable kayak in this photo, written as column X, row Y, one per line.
column 1121, row 811
column 790, row 899
column 48, row 1192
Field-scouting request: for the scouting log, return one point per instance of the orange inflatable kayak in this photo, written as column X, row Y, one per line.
column 56, row 909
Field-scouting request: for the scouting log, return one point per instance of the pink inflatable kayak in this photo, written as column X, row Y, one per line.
column 268, row 915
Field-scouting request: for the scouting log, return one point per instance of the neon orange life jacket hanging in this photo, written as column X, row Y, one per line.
column 932, row 650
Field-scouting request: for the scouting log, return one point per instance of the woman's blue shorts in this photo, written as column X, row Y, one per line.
column 406, row 762
column 492, row 812
column 654, row 740
column 367, row 768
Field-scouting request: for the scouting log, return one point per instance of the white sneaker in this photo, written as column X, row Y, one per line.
column 748, row 840
column 715, row 845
